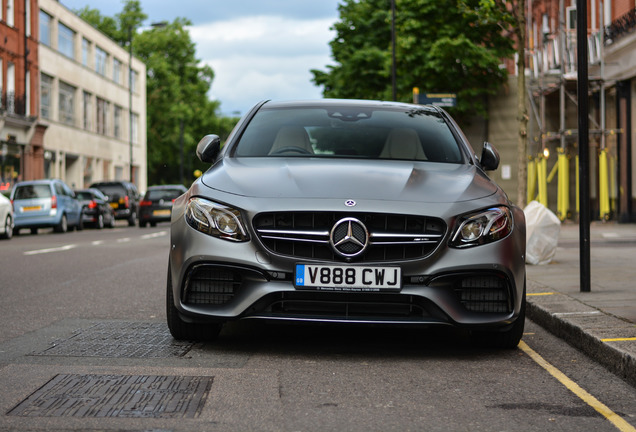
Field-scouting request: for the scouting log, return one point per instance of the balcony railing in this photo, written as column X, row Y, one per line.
column 620, row 27
column 13, row 104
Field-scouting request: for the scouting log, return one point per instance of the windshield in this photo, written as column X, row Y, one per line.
column 163, row 194
column 350, row 132
column 32, row 191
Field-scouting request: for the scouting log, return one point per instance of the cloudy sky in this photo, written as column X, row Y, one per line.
column 258, row 49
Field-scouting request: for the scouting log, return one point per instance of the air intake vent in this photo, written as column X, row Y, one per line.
column 485, row 294
column 207, row 284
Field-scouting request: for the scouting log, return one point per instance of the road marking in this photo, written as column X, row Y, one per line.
column 154, row 235
column 93, row 243
column 45, row 251
column 610, row 415
column 539, row 294
column 618, row 339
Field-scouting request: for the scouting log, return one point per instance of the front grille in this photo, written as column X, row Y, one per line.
column 484, row 294
column 392, row 237
column 212, row 285
column 342, row 306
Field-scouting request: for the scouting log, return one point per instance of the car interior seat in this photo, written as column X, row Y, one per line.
column 403, row 143
column 292, row 136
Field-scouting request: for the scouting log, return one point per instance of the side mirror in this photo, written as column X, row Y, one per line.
column 489, row 157
column 208, row 148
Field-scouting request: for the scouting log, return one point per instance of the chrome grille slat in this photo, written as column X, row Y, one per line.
column 391, row 237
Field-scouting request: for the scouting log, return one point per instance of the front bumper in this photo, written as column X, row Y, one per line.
column 215, row 280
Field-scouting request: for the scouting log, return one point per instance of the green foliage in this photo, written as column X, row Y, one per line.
column 178, row 109
column 445, row 46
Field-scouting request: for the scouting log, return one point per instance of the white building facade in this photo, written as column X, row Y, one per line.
column 95, row 109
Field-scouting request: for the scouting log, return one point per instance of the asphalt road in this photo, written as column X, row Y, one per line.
column 84, row 346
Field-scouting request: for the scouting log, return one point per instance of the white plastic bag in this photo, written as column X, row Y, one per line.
column 542, row 233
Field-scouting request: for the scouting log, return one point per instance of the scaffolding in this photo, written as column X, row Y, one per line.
column 553, row 71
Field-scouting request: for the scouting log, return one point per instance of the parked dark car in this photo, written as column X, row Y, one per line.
column 123, row 198
column 347, row 212
column 96, row 210
column 45, row 203
column 156, row 205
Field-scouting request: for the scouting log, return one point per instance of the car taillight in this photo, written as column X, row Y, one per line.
column 127, row 201
column 53, row 202
column 145, row 203
column 92, row 205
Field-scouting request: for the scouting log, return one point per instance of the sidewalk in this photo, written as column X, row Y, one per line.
column 602, row 322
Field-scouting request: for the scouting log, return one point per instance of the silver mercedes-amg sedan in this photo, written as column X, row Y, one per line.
column 347, row 211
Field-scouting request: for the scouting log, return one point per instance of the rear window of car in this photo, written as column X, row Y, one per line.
column 32, row 192
column 113, row 191
column 351, row 132
column 84, row 195
column 165, row 194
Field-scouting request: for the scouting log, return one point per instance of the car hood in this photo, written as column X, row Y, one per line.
column 349, row 179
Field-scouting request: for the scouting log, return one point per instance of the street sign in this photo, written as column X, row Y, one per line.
column 439, row 99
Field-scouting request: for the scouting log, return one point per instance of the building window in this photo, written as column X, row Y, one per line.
column 65, row 40
column 100, row 61
column 67, row 103
column 116, row 71
column 117, row 121
column 102, row 116
column 46, row 95
column 133, row 80
column 88, row 111
column 86, row 49
column 28, row 17
column 10, row 13
column 27, row 93
column 45, row 28
column 10, row 94
column 135, row 128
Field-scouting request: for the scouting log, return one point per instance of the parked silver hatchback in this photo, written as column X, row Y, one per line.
column 44, row 204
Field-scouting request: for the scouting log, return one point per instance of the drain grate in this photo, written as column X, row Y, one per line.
column 127, row 396
column 120, row 339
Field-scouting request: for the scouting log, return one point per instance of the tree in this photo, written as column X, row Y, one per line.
column 178, row 110
column 512, row 19
column 448, row 46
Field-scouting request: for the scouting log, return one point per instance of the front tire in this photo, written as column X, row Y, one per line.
column 182, row 330
column 8, row 228
column 508, row 339
column 132, row 220
column 62, row 227
column 100, row 221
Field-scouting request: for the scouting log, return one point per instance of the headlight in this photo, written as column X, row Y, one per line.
column 215, row 219
column 484, row 227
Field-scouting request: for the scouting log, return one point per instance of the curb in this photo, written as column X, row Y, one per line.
column 611, row 355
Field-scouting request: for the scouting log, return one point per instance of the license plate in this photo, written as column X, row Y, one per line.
column 31, row 208
column 347, row 278
column 161, row 213
column 114, row 205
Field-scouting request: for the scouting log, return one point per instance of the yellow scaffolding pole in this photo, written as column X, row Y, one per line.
column 532, row 179
column 542, row 170
column 603, row 185
column 578, row 197
column 563, row 196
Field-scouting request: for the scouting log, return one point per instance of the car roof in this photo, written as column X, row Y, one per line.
column 344, row 103
column 159, row 187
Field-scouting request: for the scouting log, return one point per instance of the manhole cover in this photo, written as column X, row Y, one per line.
column 129, row 396
column 120, row 339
